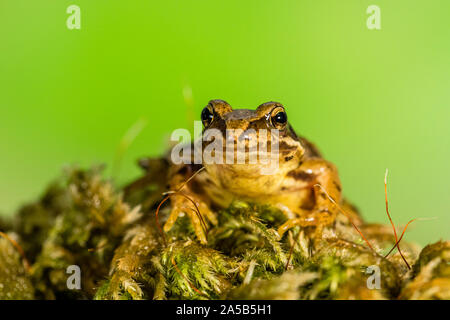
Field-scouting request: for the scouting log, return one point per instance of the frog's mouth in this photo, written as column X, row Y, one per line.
column 240, row 164
column 235, row 159
column 250, row 171
column 242, row 149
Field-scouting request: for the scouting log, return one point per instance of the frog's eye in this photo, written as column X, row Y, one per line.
column 207, row 116
column 279, row 118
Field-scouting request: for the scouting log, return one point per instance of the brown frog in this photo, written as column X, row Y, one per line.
column 300, row 184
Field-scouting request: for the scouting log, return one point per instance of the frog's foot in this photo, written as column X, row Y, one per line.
column 316, row 218
column 183, row 203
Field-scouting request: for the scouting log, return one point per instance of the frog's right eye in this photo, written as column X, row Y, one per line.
column 207, row 115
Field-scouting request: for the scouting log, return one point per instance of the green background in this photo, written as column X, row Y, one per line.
column 370, row 99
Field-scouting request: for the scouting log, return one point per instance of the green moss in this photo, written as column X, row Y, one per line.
column 243, row 234
column 439, row 251
column 430, row 277
column 15, row 282
column 83, row 220
column 287, row 286
column 78, row 221
column 193, row 271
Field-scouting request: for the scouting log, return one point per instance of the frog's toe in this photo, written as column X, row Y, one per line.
column 206, row 211
column 197, row 222
column 174, row 214
column 199, row 226
column 196, row 209
column 288, row 225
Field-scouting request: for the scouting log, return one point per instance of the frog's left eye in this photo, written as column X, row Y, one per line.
column 279, row 118
column 207, row 116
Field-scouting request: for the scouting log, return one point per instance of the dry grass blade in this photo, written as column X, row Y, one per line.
column 401, row 237
column 128, row 138
column 392, row 223
column 291, row 250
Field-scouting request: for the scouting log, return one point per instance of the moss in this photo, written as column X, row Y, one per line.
column 112, row 235
column 439, row 251
column 244, row 234
column 344, row 264
column 78, row 221
column 193, row 271
column 284, row 287
column 430, row 277
column 15, row 282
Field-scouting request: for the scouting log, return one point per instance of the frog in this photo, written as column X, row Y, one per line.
column 304, row 186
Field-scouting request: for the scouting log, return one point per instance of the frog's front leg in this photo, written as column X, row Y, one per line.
column 323, row 179
column 185, row 200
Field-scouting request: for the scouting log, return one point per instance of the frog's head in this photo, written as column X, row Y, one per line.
column 250, row 132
